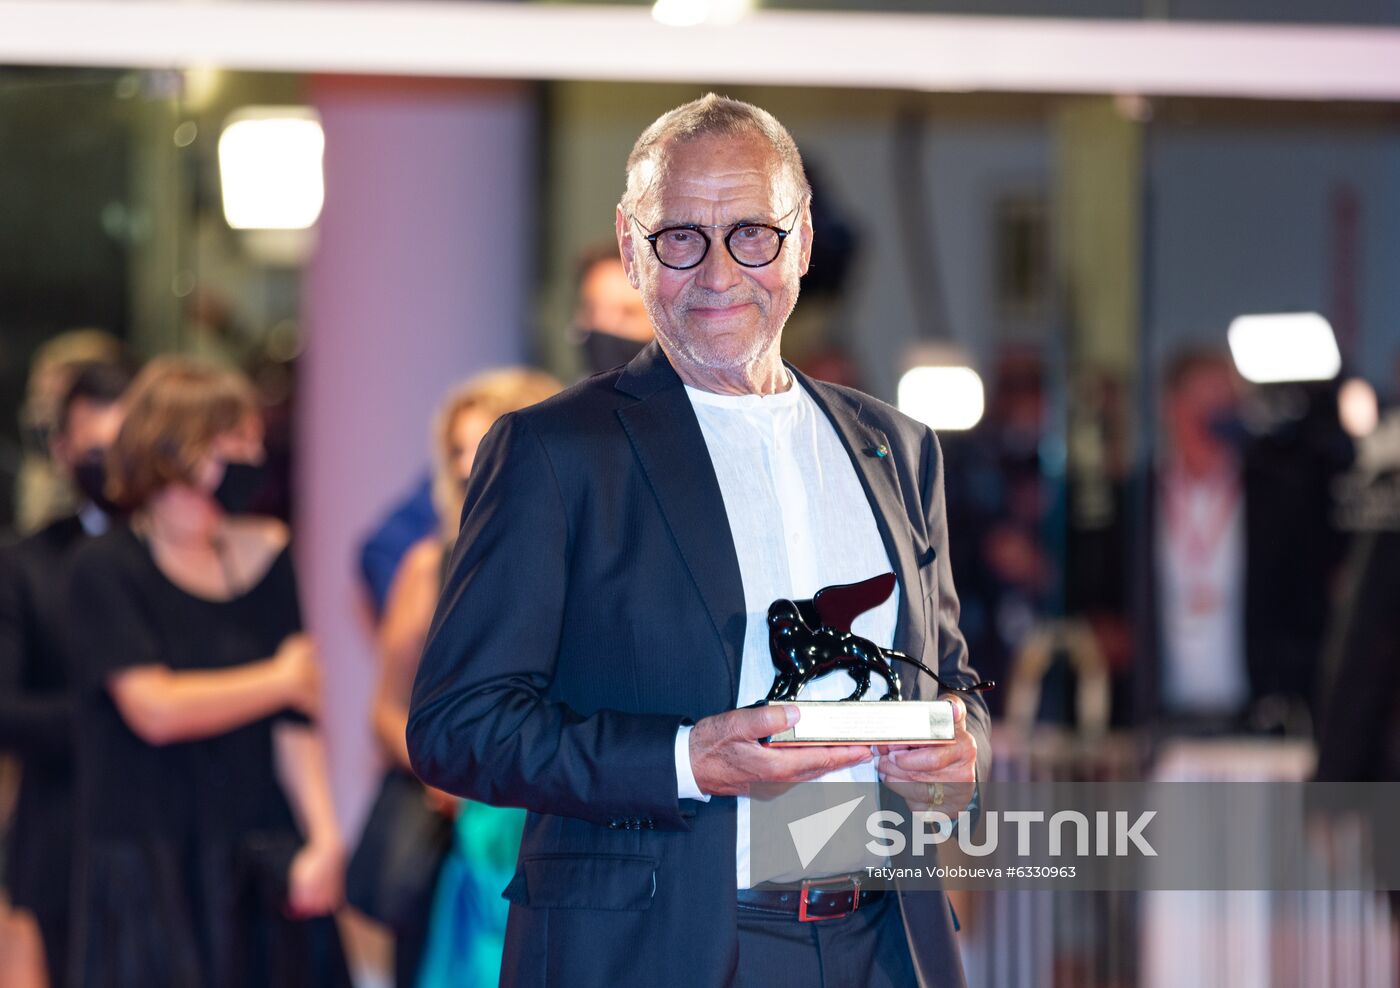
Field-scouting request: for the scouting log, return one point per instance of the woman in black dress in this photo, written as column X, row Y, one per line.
column 209, row 853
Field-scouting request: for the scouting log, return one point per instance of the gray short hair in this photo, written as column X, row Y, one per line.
column 710, row 115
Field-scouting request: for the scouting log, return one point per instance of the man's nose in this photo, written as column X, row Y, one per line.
column 718, row 272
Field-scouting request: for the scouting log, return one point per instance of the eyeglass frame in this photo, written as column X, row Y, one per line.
column 734, row 228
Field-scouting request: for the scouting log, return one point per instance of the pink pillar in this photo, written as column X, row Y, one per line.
column 420, row 279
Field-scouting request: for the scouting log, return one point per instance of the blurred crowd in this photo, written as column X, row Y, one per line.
column 169, row 812
column 169, row 809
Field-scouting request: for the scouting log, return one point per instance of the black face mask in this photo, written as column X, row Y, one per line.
column 1229, row 428
column 604, row 351
column 240, row 486
column 90, row 477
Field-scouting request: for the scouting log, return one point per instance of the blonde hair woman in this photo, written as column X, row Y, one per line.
column 462, row 421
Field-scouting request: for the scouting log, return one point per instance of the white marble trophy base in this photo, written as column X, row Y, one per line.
column 868, row 722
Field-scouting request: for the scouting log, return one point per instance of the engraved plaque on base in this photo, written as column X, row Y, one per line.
column 861, row 722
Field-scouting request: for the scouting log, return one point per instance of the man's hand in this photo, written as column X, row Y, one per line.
column 935, row 776
column 726, row 758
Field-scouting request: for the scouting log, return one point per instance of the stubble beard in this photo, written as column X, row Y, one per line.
column 704, row 351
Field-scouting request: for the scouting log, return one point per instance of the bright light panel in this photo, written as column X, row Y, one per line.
column 942, row 397
column 270, row 168
column 1285, row 346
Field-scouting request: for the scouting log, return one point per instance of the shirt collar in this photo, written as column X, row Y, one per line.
column 786, row 398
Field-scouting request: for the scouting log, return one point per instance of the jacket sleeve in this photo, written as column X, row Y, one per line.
column 35, row 725
column 481, row 724
column 953, row 664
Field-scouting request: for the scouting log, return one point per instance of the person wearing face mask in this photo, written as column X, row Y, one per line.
column 610, row 322
column 208, row 849
column 42, row 491
column 1233, row 586
column 463, row 419
column 1199, row 542
column 35, row 711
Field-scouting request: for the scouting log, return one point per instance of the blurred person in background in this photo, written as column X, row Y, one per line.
column 1359, row 725
column 208, row 849
column 411, row 519
column 36, row 716
column 1200, row 680
column 610, row 323
column 1239, row 563
column 1359, row 733
column 1359, row 720
column 467, row 915
column 42, row 492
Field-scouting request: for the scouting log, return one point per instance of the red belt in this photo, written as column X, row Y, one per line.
column 815, row 899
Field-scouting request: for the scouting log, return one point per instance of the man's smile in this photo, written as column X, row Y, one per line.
column 718, row 312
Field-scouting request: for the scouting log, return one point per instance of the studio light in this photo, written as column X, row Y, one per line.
column 942, row 397
column 270, row 168
column 1284, row 346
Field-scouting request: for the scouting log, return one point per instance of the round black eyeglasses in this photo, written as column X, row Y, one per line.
column 752, row 245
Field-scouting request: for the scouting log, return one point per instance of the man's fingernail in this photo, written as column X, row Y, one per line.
column 793, row 714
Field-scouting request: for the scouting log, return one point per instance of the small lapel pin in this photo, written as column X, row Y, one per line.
column 881, row 450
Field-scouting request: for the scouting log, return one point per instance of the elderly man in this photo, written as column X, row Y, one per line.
column 602, row 627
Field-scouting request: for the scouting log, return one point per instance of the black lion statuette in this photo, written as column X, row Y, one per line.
column 802, row 653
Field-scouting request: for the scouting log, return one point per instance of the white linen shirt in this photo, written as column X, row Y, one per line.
column 800, row 521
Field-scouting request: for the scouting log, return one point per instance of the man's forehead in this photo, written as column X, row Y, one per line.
column 736, row 178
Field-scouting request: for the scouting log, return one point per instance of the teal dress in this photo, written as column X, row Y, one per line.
column 467, row 928
column 467, row 932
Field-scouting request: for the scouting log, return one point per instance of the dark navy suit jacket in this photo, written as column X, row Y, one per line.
column 593, row 605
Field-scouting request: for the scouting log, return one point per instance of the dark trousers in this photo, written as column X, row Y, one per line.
column 867, row 949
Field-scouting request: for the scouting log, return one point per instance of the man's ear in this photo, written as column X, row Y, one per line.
column 625, row 247
column 804, row 230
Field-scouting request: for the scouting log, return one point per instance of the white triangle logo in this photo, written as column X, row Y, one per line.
column 812, row 833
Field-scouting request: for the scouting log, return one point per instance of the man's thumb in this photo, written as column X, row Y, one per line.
column 770, row 719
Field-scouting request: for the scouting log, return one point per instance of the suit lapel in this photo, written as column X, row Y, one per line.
column 880, row 478
column 671, row 449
